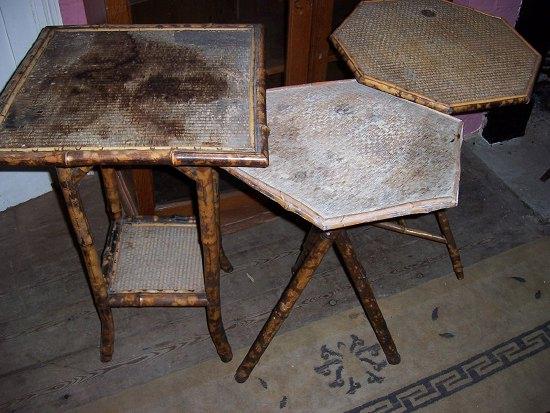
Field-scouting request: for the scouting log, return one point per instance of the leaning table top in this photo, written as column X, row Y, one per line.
column 162, row 94
column 344, row 154
column 442, row 55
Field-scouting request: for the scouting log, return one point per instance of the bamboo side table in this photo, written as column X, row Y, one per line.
column 142, row 95
column 445, row 56
column 344, row 155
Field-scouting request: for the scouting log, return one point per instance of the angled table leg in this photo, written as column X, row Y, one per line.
column 454, row 253
column 210, row 241
column 319, row 246
column 366, row 297
column 304, row 250
column 68, row 179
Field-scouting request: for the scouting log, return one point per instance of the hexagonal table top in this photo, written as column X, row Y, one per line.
column 442, row 55
column 343, row 154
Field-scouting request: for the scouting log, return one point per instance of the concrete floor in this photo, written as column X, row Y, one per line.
column 521, row 162
column 49, row 334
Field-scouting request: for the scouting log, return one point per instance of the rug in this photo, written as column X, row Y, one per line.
column 480, row 344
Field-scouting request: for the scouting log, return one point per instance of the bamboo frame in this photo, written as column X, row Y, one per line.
column 315, row 247
column 112, row 194
column 191, row 173
column 98, row 283
column 210, row 241
column 74, row 162
column 100, row 273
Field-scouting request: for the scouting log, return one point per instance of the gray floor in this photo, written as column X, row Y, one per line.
column 521, row 162
column 49, row 356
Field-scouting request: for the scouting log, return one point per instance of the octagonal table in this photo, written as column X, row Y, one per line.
column 110, row 96
column 343, row 154
column 442, row 55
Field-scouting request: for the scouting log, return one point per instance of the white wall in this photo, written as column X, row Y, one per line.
column 20, row 23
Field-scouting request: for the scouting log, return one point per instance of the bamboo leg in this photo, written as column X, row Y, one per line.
column 210, row 240
column 306, row 247
column 285, row 304
column 454, row 253
column 366, row 297
column 98, row 284
column 110, row 186
column 191, row 173
column 225, row 264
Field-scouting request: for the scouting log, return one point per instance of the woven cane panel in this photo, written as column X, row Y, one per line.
column 445, row 52
column 158, row 257
column 181, row 88
column 342, row 153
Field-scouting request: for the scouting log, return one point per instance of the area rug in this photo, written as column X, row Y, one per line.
column 480, row 344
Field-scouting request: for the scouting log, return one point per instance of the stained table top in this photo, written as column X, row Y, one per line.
column 172, row 94
column 446, row 56
column 344, row 154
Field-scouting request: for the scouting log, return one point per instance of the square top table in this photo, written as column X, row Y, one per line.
column 189, row 96
column 162, row 94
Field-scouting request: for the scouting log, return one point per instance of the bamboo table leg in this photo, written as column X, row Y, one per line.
column 366, row 297
column 191, row 173
column 210, row 240
column 225, row 264
column 112, row 196
column 320, row 245
column 304, row 250
column 68, row 179
column 454, row 253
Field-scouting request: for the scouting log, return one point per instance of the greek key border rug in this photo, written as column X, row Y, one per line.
column 474, row 345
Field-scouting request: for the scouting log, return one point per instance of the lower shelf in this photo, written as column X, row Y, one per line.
column 154, row 262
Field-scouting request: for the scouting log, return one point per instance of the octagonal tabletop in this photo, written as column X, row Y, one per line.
column 138, row 94
column 345, row 154
column 442, row 55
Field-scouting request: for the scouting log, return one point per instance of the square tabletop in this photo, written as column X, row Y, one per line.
column 162, row 94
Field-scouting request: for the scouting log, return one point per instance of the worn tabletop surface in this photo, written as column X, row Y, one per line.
column 446, row 56
column 344, row 154
column 160, row 89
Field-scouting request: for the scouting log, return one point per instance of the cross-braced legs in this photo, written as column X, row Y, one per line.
column 68, row 179
column 320, row 243
column 366, row 297
column 454, row 253
column 210, row 241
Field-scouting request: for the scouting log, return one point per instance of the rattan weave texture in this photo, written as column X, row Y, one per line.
column 179, row 88
column 450, row 54
column 344, row 154
column 157, row 257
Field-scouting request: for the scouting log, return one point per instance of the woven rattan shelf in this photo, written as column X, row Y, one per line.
column 154, row 263
column 446, row 56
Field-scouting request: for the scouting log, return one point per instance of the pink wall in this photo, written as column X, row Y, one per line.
column 82, row 11
column 507, row 9
column 72, row 11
